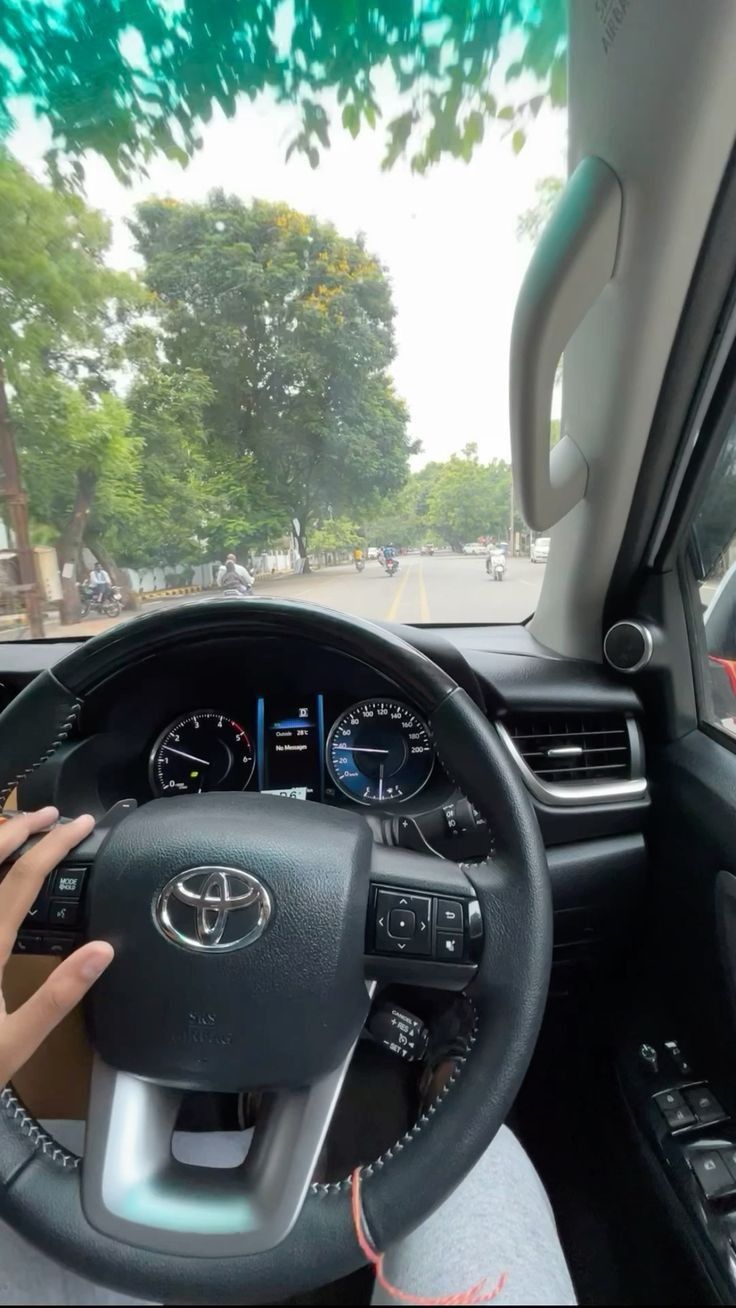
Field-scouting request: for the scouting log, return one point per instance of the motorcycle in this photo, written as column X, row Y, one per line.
column 496, row 566
column 392, row 566
column 359, row 564
column 108, row 605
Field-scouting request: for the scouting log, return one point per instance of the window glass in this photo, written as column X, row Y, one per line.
column 714, row 559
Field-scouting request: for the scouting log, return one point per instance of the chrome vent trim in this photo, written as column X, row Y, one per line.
column 560, row 793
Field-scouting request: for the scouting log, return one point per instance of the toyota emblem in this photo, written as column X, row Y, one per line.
column 212, row 909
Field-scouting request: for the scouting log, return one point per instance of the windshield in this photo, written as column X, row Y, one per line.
column 258, row 266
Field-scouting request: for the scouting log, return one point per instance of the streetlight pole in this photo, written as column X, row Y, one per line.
column 17, row 517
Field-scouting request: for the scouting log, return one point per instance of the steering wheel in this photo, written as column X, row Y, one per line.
column 247, row 944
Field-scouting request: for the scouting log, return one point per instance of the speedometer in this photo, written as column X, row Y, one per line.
column 202, row 751
column 380, row 752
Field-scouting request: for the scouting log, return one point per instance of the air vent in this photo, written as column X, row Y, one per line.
column 569, row 758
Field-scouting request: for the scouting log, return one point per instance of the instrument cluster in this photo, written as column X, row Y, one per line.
column 376, row 752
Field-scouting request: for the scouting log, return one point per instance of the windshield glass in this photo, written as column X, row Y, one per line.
column 258, row 266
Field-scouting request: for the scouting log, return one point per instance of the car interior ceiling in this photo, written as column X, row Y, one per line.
column 639, row 1025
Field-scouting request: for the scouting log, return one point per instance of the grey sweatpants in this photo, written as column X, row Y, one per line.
column 499, row 1220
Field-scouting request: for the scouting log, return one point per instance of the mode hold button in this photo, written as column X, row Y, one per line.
column 68, row 882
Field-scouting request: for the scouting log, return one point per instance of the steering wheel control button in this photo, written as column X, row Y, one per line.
column 27, row 944
column 62, row 913
column 449, row 915
column 37, row 913
column 704, row 1105
column 400, row 1032
column 450, row 946
column 58, row 946
column 401, row 924
column 68, row 882
column 711, row 1173
column 394, row 907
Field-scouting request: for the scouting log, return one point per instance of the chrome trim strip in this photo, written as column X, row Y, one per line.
column 568, row 796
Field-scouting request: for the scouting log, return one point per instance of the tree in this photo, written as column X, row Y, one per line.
column 467, row 499
column 292, row 325
column 70, row 444
column 58, row 305
column 128, row 81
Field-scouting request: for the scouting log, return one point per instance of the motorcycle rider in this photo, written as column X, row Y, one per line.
column 99, row 580
column 230, row 567
column 232, row 579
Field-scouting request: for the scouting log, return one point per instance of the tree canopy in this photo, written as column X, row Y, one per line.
column 452, row 502
column 132, row 78
column 292, row 325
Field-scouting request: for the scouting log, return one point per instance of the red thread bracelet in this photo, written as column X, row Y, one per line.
column 473, row 1295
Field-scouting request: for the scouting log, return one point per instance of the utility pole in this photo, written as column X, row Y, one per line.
column 16, row 503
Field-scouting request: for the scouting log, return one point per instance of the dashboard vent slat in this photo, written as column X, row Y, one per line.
column 582, row 748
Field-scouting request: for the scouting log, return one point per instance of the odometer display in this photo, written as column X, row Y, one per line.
column 380, row 752
column 200, row 752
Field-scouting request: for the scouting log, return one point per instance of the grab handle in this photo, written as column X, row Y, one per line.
column 571, row 265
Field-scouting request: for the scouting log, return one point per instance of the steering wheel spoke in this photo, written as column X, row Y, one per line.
column 136, row 1191
column 424, row 924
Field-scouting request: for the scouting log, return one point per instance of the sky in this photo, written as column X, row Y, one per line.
column 448, row 240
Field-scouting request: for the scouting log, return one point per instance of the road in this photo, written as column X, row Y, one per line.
column 443, row 588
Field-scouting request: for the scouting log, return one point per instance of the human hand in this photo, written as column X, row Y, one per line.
column 23, row 1031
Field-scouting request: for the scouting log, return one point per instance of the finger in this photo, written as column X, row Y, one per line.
column 22, row 1032
column 14, row 831
column 26, row 877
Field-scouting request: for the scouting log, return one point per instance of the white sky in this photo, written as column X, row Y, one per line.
column 447, row 239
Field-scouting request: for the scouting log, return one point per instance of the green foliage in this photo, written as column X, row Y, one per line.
column 67, row 439
column 451, row 503
column 531, row 222
column 58, row 300
column 292, row 326
column 335, row 534
column 130, row 79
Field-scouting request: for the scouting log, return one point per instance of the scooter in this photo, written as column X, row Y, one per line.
column 359, row 564
column 239, row 591
column 496, row 566
column 110, row 603
column 392, row 566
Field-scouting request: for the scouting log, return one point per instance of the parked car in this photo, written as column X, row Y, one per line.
column 540, row 549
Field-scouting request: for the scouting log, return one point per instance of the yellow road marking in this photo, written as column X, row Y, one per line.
column 423, row 601
column 393, row 607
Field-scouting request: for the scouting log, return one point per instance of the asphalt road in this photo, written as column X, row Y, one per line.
column 443, row 588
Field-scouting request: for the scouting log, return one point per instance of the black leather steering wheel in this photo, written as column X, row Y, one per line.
column 281, row 1006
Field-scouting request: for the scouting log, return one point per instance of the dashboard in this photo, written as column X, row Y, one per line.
column 256, row 714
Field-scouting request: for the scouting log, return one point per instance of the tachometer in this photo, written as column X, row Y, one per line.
column 380, row 752
column 202, row 751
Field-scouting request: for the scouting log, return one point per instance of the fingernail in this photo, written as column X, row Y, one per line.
column 95, row 965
